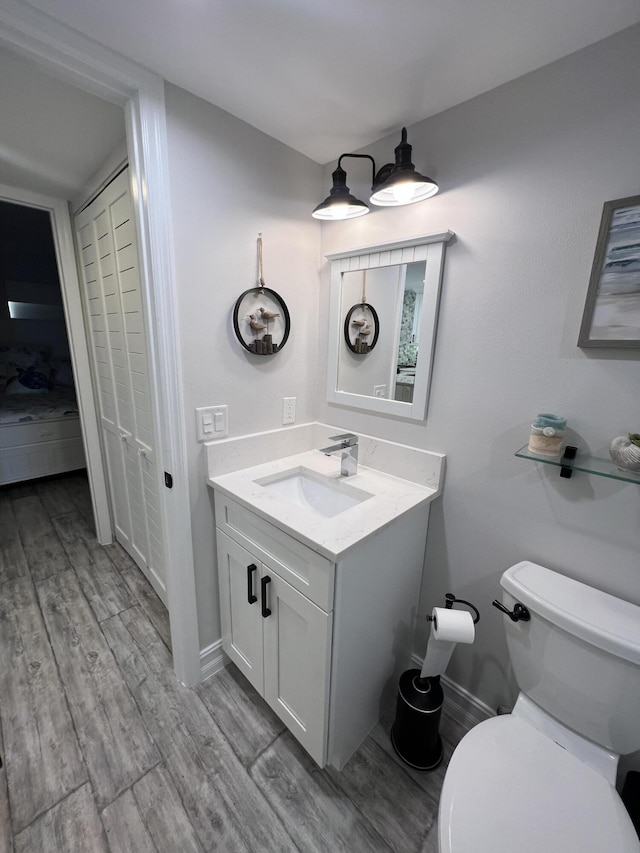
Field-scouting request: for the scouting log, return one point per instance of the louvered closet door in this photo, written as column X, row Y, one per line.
column 106, row 238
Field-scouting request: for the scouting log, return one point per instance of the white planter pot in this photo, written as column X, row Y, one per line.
column 625, row 454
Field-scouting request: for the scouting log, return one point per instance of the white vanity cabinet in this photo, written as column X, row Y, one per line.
column 278, row 638
column 322, row 640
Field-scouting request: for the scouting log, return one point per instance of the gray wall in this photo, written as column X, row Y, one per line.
column 524, row 171
column 229, row 181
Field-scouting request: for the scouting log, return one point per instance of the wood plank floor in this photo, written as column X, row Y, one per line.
column 104, row 752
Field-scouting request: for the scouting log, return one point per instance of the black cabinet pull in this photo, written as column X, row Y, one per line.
column 265, row 610
column 251, row 598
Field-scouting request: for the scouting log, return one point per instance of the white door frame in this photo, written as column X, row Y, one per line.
column 93, row 68
column 74, row 319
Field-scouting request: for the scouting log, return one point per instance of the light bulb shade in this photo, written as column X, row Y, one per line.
column 403, row 188
column 340, row 204
column 399, row 184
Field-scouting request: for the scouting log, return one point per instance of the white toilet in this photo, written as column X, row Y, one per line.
column 541, row 779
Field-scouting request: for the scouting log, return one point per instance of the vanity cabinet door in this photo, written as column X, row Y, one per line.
column 241, row 618
column 297, row 654
column 281, row 642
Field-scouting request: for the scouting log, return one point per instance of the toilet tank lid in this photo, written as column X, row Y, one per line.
column 604, row 621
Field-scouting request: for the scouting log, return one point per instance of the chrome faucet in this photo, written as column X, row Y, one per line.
column 348, row 448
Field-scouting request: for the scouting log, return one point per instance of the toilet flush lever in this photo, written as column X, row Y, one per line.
column 519, row 613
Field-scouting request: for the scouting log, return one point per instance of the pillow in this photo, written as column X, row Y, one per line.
column 16, row 388
column 26, row 357
column 27, row 371
column 29, row 381
column 61, row 372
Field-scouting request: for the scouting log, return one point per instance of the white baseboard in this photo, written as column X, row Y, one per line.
column 462, row 705
column 212, row 660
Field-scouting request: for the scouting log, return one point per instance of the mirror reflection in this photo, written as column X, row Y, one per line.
column 402, row 281
column 396, row 293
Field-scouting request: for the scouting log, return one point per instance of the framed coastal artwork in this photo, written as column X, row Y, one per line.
column 612, row 310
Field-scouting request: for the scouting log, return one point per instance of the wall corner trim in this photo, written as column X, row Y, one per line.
column 212, row 660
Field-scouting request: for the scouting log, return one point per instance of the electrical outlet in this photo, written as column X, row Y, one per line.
column 379, row 390
column 288, row 410
column 212, row 423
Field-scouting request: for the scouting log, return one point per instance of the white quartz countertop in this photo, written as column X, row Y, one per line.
column 390, row 497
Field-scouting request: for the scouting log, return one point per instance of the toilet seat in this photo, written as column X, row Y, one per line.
column 510, row 788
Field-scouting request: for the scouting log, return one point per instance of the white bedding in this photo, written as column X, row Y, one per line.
column 26, row 408
column 40, row 431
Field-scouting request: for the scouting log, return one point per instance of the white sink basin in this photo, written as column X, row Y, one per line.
column 321, row 495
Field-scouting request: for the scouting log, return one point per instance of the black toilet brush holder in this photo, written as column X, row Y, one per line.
column 415, row 733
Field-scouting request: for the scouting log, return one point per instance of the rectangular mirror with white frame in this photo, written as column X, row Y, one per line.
column 382, row 325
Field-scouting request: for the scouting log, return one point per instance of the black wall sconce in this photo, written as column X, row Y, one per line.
column 393, row 185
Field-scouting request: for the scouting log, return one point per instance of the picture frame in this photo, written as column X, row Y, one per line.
column 611, row 315
column 361, row 328
column 261, row 321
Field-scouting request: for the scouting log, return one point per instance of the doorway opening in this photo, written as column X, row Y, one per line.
column 39, row 416
column 91, row 68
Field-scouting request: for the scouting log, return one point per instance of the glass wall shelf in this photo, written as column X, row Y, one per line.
column 582, row 462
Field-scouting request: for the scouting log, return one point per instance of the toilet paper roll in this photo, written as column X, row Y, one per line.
column 454, row 625
column 448, row 628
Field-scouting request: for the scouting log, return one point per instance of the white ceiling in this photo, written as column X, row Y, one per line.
column 53, row 137
column 327, row 76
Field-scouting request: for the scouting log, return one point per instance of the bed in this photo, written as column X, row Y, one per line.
column 39, row 422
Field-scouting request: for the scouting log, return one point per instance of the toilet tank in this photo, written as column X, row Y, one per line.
column 578, row 657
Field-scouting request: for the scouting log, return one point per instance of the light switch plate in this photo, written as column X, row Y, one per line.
column 379, row 390
column 212, row 423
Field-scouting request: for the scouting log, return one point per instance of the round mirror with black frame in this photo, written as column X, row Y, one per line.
column 261, row 321
column 361, row 328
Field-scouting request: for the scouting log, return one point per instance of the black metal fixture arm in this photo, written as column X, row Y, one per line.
column 450, row 600
column 362, row 157
column 377, row 177
column 520, row 613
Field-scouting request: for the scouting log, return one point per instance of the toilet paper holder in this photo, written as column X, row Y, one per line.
column 450, row 600
column 415, row 731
